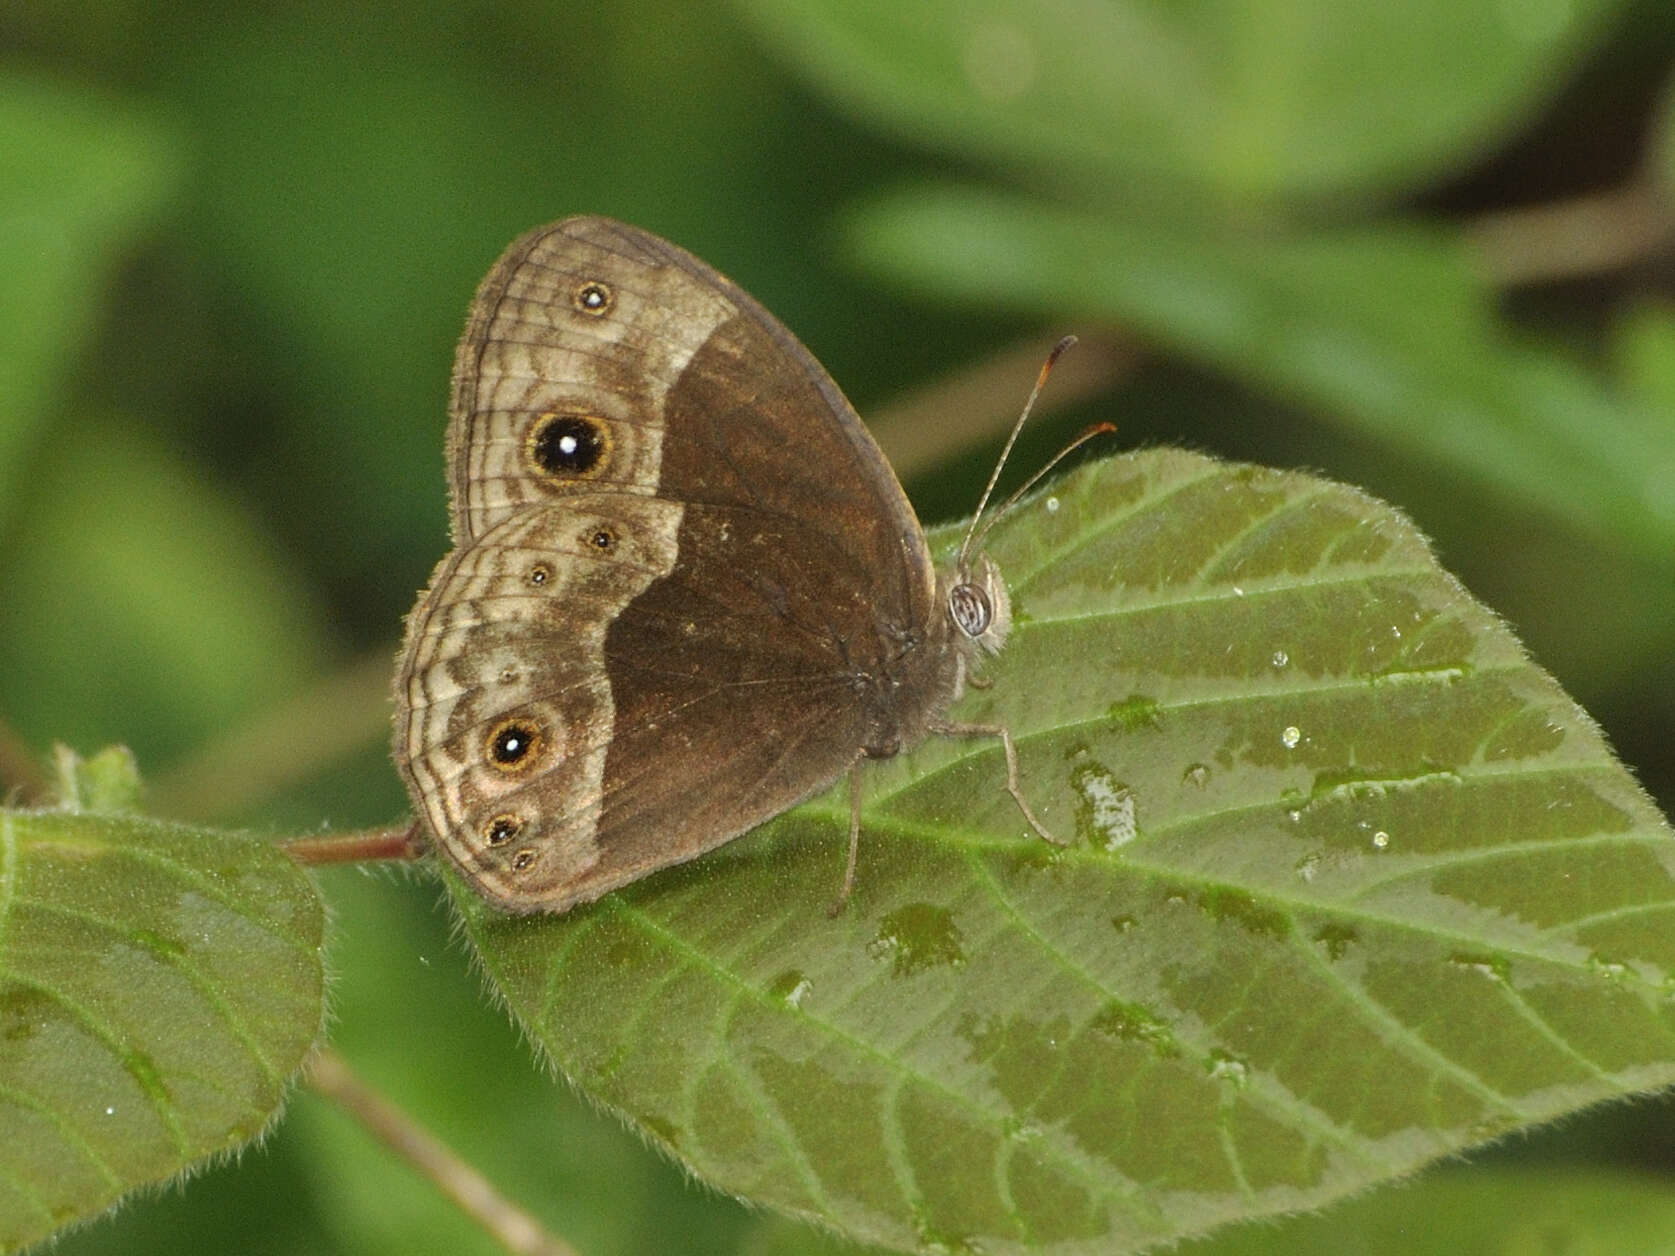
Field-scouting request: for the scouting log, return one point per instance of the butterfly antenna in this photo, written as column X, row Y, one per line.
column 1098, row 429
column 994, row 477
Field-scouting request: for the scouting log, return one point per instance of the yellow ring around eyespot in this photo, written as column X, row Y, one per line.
column 593, row 287
column 529, row 731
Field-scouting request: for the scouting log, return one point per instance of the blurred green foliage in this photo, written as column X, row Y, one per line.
column 236, row 245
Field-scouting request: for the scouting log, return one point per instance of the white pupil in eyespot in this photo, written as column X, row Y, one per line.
column 568, row 444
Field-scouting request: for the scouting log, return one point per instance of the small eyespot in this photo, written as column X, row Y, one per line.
column 568, row 444
column 522, row 860
column 539, row 574
column 968, row 605
column 502, row 829
column 514, row 744
column 603, row 539
column 592, row 297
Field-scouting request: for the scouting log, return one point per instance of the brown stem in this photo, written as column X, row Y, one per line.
column 360, row 847
column 1569, row 239
column 20, row 772
column 336, row 716
column 510, row 1226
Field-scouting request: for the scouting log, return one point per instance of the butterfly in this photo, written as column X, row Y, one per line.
column 686, row 591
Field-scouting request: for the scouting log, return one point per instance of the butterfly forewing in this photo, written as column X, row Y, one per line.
column 581, row 321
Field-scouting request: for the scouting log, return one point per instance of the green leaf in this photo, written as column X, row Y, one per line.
column 142, row 601
column 83, row 174
column 1494, row 1211
column 1384, row 329
column 1482, row 1211
column 1243, row 99
column 109, row 781
column 1354, row 885
column 158, row 986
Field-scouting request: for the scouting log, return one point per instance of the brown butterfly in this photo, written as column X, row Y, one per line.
column 686, row 590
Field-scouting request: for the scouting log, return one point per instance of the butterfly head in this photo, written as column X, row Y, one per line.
column 977, row 602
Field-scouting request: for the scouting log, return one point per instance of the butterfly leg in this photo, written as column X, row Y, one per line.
column 1011, row 751
column 842, row 899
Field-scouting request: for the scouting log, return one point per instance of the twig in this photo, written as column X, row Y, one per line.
column 20, row 771
column 337, row 716
column 356, row 847
column 1569, row 239
column 512, row 1227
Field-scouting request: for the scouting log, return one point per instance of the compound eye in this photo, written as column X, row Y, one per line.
column 969, row 606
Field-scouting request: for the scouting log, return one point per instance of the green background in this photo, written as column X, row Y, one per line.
column 236, row 248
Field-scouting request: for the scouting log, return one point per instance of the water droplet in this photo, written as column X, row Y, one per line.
column 1291, row 736
column 1281, row 658
column 1020, row 1130
column 1491, row 966
column 1105, row 810
column 1224, row 1066
column 1052, row 505
column 1610, row 969
column 1197, row 774
column 790, row 986
column 1381, row 839
column 1238, row 592
column 1395, row 632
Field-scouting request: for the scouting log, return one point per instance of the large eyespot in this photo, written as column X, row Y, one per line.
column 592, row 297
column 969, row 606
column 502, row 829
column 568, row 444
column 514, row 744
